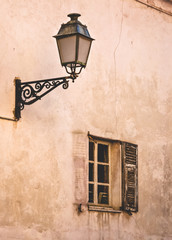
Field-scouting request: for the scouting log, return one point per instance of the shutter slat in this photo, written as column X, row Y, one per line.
column 132, row 155
column 131, row 150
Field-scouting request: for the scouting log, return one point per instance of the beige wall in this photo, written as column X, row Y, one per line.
column 124, row 93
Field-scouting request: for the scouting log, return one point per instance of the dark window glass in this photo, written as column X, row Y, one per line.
column 91, row 171
column 91, row 193
column 103, row 153
column 103, row 173
column 91, row 151
column 103, row 192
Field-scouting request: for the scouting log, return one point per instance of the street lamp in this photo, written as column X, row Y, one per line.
column 74, row 43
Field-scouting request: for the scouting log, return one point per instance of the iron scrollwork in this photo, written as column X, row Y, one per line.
column 28, row 93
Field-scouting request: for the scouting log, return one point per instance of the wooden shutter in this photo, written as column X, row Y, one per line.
column 129, row 177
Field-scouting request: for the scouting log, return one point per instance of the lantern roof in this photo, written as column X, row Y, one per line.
column 73, row 27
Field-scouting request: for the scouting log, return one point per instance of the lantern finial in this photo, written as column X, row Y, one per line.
column 74, row 16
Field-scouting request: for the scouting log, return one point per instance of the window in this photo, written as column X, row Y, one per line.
column 112, row 180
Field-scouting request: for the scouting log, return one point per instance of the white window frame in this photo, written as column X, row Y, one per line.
column 95, row 180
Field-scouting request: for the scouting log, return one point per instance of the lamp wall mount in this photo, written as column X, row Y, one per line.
column 27, row 93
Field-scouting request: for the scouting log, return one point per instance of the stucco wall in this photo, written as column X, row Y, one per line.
column 124, row 93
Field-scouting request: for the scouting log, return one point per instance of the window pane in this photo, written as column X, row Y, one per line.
column 103, row 194
column 67, row 49
column 103, row 153
column 91, row 151
column 91, row 193
column 103, row 173
column 91, row 171
column 84, row 46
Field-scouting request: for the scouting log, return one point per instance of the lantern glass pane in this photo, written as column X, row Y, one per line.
column 83, row 51
column 67, row 49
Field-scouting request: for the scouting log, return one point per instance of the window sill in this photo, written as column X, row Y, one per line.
column 96, row 208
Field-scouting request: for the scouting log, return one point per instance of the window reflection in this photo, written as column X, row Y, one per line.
column 91, row 171
column 91, row 193
column 103, row 153
column 103, row 173
column 103, row 192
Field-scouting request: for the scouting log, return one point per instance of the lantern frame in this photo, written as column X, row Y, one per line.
column 74, row 28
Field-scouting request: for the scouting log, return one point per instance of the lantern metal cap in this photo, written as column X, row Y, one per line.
column 73, row 27
column 74, row 16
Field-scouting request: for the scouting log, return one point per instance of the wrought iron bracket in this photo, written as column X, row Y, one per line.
column 27, row 93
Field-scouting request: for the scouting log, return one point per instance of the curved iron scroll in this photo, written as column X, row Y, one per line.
column 29, row 92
